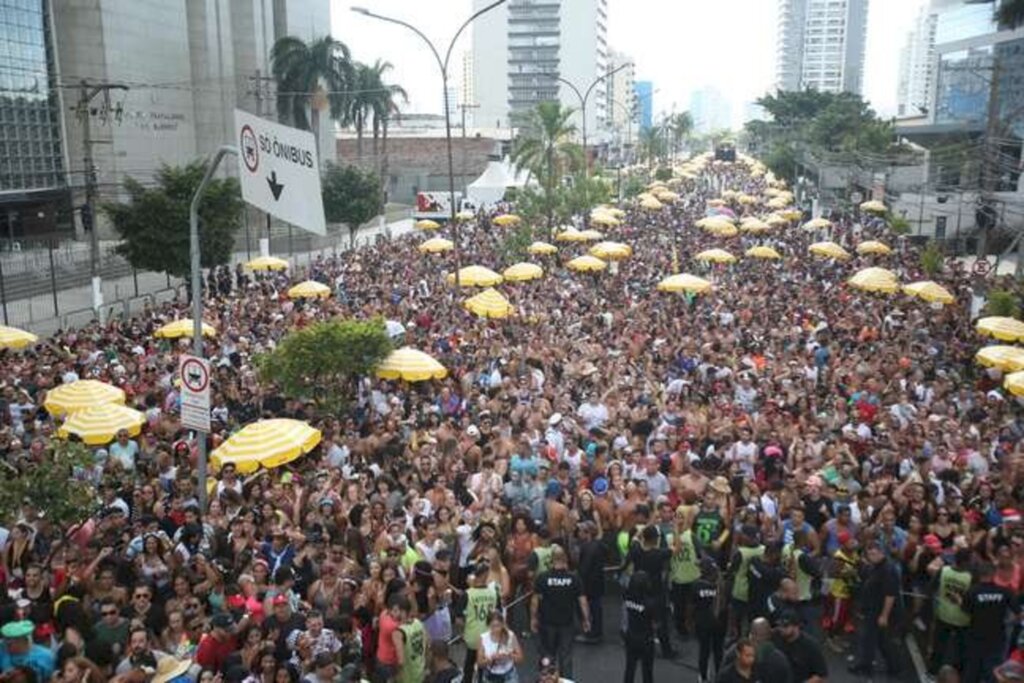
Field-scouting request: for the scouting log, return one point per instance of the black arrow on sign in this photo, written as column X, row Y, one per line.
column 275, row 187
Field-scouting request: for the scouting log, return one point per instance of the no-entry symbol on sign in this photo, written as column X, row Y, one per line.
column 194, row 373
column 250, row 148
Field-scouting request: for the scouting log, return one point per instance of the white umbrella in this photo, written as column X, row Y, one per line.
column 394, row 328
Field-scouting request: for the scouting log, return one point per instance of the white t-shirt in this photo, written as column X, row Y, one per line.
column 492, row 647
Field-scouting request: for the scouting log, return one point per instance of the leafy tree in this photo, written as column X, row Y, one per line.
column 632, row 186
column 306, row 72
column 513, row 247
column 1010, row 14
column 351, row 196
column 584, row 193
column 899, row 225
column 324, row 361
column 50, row 486
column 932, row 259
column 153, row 224
column 664, row 173
column 680, row 126
column 651, row 144
column 547, row 151
column 1002, row 302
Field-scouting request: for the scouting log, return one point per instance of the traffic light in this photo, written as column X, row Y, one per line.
column 86, row 213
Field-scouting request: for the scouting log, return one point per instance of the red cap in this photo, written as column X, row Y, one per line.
column 844, row 537
column 280, row 599
column 932, row 541
column 1011, row 515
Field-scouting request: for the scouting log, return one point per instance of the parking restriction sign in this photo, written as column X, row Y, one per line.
column 194, row 375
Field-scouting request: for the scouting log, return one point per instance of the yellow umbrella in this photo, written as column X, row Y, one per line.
column 873, row 247
column 929, row 291
column 614, row 211
column 427, row 224
column 775, row 220
column 1005, row 329
column 1006, row 358
column 817, row 224
column 650, row 204
column 791, row 214
column 604, row 219
column 310, row 289
column 13, row 338
column 721, row 228
column 711, row 220
column 267, row 263
column 570, row 235
column 267, row 443
column 691, row 284
column 873, row 206
column 475, row 276
column 716, row 256
column 542, row 248
column 1015, row 383
column 754, row 225
column 771, row 192
column 763, row 252
column 590, row 235
column 585, row 264
column 521, row 272
column 829, row 250
column 436, row 245
column 465, row 216
column 506, row 219
column 489, row 304
column 716, row 203
column 183, row 327
column 747, row 199
column 777, row 203
column 412, row 365
column 875, row 280
column 80, row 395
column 100, row 424
column 611, row 251
column 667, row 196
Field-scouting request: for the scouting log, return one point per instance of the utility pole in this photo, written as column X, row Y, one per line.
column 463, row 107
column 86, row 93
column 259, row 87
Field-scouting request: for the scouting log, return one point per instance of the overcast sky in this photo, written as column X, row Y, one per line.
column 680, row 45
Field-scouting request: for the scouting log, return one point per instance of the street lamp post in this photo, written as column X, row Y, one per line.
column 443, row 66
column 583, row 97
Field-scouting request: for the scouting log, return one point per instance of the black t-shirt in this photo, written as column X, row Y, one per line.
column 592, row 560
column 272, row 625
column 559, row 591
column 989, row 605
column 817, row 512
column 654, row 561
column 732, row 675
column 639, row 619
column 879, row 582
column 772, row 666
column 705, row 601
column 763, row 579
column 804, row 656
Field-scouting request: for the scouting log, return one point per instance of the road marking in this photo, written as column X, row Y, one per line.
column 916, row 658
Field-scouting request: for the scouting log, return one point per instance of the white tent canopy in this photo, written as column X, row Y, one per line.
column 490, row 187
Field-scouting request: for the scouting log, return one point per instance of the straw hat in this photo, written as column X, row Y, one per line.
column 169, row 668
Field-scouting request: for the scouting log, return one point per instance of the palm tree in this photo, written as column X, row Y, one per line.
column 1010, row 14
column 385, row 107
column 651, row 144
column 360, row 106
column 304, row 71
column 681, row 126
column 547, row 151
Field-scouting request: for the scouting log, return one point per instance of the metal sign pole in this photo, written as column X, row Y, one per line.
column 197, row 294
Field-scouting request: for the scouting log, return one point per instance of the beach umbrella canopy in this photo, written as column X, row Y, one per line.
column 475, row 276
column 427, row 224
column 465, row 216
column 521, row 272
column 929, row 291
column 777, row 203
column 775, row 220
column 873, row 206
column 716, row 203
column 684, row 282
column 506, row 219
column 1006, row 358
column 722, row 229
column 100, row 424
column 746, row 199
column 875, row 280
column 183, row 327
column 412, row 365
column 817, row 224
column 667, row 196
column 874, row 247
column 570, row 235
column 310, row 289
column 650, row 204
column 13, row 338
column 267, row 263
column 791, row 214
column 489, row 303
column 829, row 250
column 267, row 443
column 712, row 220
column 436, row 245
column 1015, row 383
column 586, row 264
column 542, row 248
column 763, row 252
column 604, row 219
column 81, row 395
column 754, row 225
column 1004, row 329
column 611, row 251
column 716, row 256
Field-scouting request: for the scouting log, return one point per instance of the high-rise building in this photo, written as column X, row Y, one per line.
column 621, row 92
column 467, row 94
column 644, row 94
column 821, row 45
column 916, row 85
column 711, row 110
column 522, row 48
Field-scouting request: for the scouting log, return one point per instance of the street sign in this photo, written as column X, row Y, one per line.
column 194, row 374
column 279, row 171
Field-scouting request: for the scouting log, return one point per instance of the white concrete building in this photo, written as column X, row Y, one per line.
column 621, row 93
column 521, row 48
column 821, row 45
column 711, row 110
column 916, row 84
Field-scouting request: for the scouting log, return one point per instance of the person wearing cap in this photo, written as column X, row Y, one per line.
column 844, row 573
column 877, row 598
column 804, row 654
column 217, row 645
column 991, row 607
column 281, row 623
column 951, row 621
column 557, row 593
column 17, row 650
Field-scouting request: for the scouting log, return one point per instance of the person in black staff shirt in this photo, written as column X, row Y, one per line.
column 593, row 553
column 783, row 599
column 879, row 590
column 805, row 657
column 764, row 576
column 647, row 556
column 638, row 624
column 709, row 616
column 989, row 606
column 556, row 595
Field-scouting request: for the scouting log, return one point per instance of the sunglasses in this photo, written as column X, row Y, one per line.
column 109, row 612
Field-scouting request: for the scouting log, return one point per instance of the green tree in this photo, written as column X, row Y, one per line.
column 351, row 196
column 651, row 144
column 1002, row 302
column 680, row 125
column 663, row 173
column 308, row 72
column 547, row 151
column 385, row 107
column 50, row 487
column 899, row 225
column 153, row 223
column 1010, row 14
column 512, row 248
column 324, row 361
column 932, row 259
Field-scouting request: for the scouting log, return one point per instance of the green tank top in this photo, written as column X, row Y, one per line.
column 480, row 602
column 741, row 582
column 791, row 563
column 543, row 559
column 414, row 661
column 683, row 567
column 953, row 587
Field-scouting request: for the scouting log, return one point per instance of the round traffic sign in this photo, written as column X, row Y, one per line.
column 982, row 266
column 250, row 148
column 194, row 375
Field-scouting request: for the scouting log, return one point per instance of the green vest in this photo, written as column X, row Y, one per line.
column 480, row 602
column 791, row 563
column 741, row 582
column 953, row 587
column 414, row 660
column 543, row 554
column 683, row 567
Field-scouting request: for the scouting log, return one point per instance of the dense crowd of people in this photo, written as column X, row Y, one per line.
column 785, row 470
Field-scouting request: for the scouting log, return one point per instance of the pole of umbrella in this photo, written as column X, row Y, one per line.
column 197, row 294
